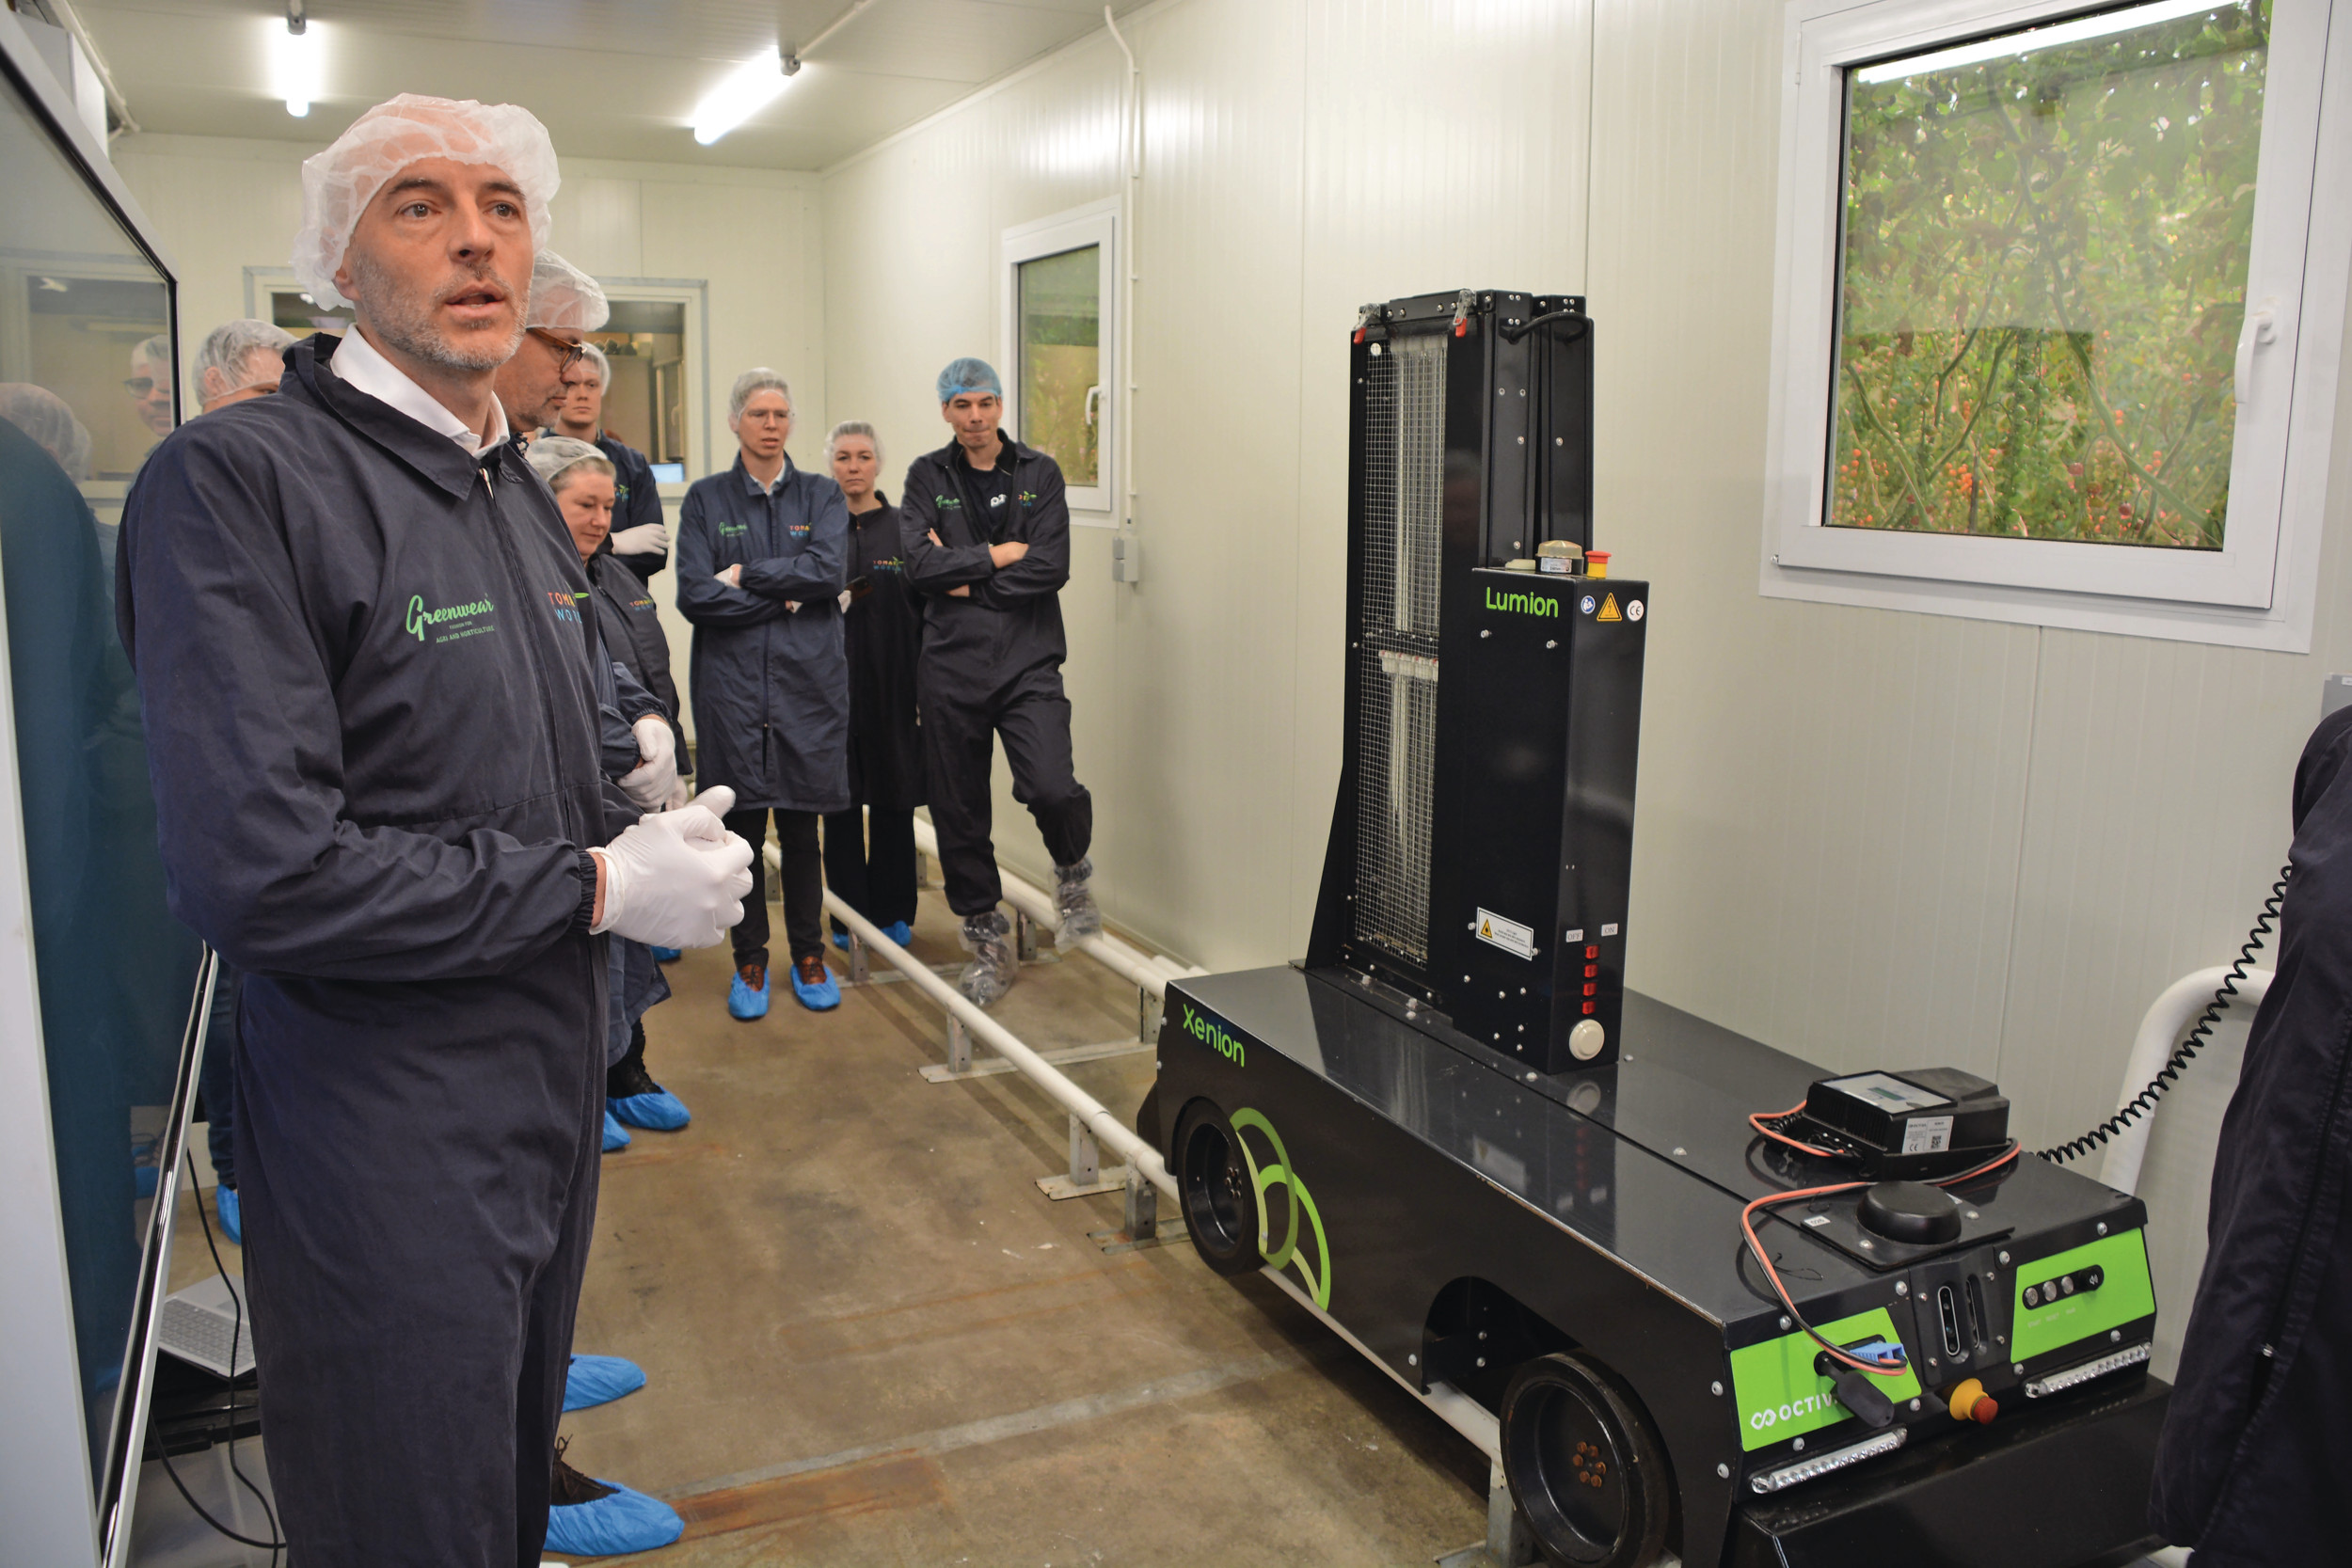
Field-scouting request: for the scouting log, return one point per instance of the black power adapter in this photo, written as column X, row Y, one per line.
column 1917, row 1123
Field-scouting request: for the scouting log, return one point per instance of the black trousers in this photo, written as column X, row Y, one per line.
column 870, row 861
column 803, row 877
column 959, row 752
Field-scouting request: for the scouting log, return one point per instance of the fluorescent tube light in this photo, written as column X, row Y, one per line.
column 747, row 89
column 2081, row 29
column 293, row 66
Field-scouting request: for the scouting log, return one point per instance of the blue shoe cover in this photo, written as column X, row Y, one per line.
column 665, row 955
column 822, row 997
column 841, row 939
column 231, row 1216
column 594, row 1380
column 615, row 1135
column 745, row 1002
column 612, row 1526
column 658, row 1112
column 899, row 932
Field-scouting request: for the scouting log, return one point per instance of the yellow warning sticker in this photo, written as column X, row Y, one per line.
column 1509, row 935
column 1609, row 610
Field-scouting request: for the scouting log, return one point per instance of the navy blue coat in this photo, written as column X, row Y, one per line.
column 371, row 727
column 636, row 499
column 2257, row 1449
column 1010, row 623
column 771, row 684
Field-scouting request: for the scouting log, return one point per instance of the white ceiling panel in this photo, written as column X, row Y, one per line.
column 611, row 78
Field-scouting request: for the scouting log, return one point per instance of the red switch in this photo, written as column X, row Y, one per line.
column 1590, row 989
column 1592, row 952
column 1592, row 1007
column 1591, row 971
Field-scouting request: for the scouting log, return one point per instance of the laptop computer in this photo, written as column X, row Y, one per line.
column 200, row 1321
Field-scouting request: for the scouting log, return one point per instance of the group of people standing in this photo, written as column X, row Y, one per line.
column 854, row 659
column 419, row 773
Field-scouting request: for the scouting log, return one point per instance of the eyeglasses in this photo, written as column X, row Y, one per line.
column 573, row 353
column 140, row 386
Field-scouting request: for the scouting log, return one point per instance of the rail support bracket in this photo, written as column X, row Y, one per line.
column 1023, row 936
column 859, row 972
column 959, row 1046
column 1142, row 1211
column 1509, row 1542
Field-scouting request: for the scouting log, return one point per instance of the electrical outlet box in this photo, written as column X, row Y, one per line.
column 1126, row 560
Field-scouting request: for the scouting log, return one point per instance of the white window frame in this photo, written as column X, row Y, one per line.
column 2259, row 590
column 1095, row 224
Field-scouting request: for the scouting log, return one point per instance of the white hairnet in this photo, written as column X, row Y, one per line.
column 757, row 379
column 562, row 296
column 227, row 347
column 338, row 183
column 553, row 456
column 43, row 415
column 594, row 357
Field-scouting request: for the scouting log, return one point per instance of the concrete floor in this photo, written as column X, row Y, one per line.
column 869, row 1339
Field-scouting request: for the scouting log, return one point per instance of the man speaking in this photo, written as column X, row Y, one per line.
column 372, row 736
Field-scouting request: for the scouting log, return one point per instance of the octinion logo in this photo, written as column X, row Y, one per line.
column 1525, row 604
column 1217, row 1040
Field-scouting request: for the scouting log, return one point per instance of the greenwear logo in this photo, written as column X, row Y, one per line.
column 461, row 617
column 1266, row 1177
column 1524, row 604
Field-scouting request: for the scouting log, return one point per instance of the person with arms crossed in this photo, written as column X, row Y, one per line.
column 985, row 534
column 374, row 739
column 762, row 555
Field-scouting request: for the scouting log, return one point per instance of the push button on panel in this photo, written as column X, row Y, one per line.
column 2065, row 1285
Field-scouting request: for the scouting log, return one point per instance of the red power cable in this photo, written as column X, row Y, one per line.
column 1747, row 1228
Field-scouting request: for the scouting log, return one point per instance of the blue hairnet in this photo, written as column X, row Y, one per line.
column 969, row 376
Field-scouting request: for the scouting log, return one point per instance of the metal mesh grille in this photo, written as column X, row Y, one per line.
column 1396, row 722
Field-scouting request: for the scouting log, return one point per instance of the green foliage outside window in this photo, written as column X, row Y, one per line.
column 1062, row 360
column 2043, row 275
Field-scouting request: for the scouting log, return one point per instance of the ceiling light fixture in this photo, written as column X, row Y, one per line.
column 296, row 59
column 2082, row 29
column 747, row 89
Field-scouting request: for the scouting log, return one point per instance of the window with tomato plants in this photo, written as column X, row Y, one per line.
column 2042, row 280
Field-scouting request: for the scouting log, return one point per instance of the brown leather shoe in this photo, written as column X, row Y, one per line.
column 755, row 976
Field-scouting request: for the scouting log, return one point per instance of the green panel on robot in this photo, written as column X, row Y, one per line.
column 2126, row 1295
column 1780, row 1394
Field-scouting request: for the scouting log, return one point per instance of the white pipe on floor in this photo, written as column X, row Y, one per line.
column 2165, row 1022
column 1110, row 1131
column 1456, row 1409
column 1128, row 963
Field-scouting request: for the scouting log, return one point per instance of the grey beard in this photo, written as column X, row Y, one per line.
column 405, row 321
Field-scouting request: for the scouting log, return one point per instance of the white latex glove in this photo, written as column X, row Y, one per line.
column 650, row 782
column 679, row 792
column 733, row 576
column 678, row 879
column 792, row 606
column 645, row 539
column 845, row 601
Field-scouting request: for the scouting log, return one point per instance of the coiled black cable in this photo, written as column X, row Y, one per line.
column 2145, row 1101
